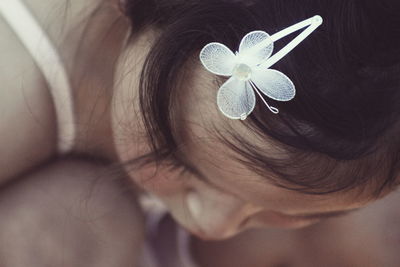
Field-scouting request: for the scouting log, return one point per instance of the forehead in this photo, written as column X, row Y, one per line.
column 203, row 149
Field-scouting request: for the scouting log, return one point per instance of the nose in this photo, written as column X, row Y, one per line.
column 219, row 215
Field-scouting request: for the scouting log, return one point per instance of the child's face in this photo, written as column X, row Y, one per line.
column 228, row 198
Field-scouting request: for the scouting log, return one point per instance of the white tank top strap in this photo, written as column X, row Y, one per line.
column 36, row 41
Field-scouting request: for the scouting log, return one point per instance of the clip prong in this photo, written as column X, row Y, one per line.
column 312, row 24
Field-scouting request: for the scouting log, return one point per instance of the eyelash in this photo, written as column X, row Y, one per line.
column 177, row 165
column 322, row 217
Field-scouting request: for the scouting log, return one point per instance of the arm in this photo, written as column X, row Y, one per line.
column 67, row 214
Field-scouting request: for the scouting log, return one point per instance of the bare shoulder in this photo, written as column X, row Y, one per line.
column 58, row 16
column 70, row 214
column 66, row 21
column 27, row 122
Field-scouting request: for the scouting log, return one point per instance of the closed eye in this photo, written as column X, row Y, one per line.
column 327, row 215
column 177, row 164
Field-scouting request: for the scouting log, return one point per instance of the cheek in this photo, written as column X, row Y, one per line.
column 161, row 181
column 129, row 146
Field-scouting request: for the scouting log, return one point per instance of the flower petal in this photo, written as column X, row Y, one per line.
column 274, row 84
column 236, row 99
column 218, row 59
column 252, row 55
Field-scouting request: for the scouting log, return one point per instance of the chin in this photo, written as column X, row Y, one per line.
column 201, row 234
column 206, row 237
column 215, row 236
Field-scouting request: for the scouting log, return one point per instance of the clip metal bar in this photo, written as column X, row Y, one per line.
column 312, row 23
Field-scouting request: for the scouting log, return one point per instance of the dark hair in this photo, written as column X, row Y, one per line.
column 342, row 129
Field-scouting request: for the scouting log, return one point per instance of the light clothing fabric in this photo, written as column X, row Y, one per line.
column 48, row 60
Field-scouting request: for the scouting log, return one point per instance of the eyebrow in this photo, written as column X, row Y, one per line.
column 317, row 215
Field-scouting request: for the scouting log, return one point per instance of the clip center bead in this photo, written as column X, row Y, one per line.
column 242, row 72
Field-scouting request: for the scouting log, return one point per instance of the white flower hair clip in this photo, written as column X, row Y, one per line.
column 249, row 70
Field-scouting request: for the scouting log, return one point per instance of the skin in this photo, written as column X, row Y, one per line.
column 232, row 200
column 29, row 132
column 68, row 214
column 228, row 199
column 365, row 238
column 109, row 126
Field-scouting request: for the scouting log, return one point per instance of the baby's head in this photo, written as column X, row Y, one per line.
column 335, row 147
